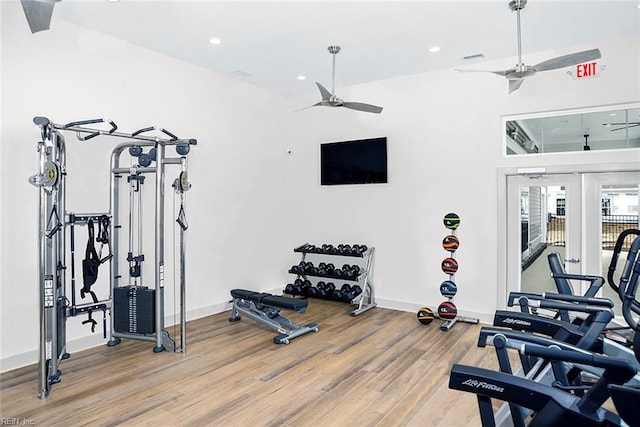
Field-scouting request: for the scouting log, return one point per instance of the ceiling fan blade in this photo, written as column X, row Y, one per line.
column 568, row 60
column 515, row 85
column 360, row 106
column 38, row 13
column 314, row 105
column 500, row 73
column 631, row 125
column 326, row 95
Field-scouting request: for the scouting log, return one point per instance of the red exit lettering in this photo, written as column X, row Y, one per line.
column 589, row 69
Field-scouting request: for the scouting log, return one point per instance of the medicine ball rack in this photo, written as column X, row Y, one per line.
column 362, row 293
column 448, row 311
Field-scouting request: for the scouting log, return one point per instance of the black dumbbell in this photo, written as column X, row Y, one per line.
column 330, row 268
column 357, row 290
column 294, row 269
column 322, row 289
column 322, row 268
column 347, row 271
column 297, row 287
column 330, row 286
column 338, row 273
column 336, row 294
column 312, row 292
column 314, row 270
column 355, row 271
column 348, row 296
column 289, row 289
column 345, row 288
column 363, row 249
column 346, row 250
column 306, row 284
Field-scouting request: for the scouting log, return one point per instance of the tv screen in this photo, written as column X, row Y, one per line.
column 362, row 161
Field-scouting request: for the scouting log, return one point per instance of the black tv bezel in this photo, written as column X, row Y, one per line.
column 324, row 182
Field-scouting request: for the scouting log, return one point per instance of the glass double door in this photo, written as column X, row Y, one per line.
column 577, row 215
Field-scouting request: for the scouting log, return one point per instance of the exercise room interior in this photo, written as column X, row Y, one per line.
column 225, row 94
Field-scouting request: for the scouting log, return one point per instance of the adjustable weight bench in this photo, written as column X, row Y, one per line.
column 265, row 308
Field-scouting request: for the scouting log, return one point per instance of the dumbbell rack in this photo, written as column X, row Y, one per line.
column 366, row 299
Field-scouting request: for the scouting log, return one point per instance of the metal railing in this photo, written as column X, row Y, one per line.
column 612, row 226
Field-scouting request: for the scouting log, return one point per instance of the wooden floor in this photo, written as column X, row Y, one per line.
column 382, row 368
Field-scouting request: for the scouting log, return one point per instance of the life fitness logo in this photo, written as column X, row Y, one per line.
column 586, row 70
column 483, row 385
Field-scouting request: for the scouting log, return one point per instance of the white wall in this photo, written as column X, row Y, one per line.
column 444, row 142
column 235, row 208
column 251, row 202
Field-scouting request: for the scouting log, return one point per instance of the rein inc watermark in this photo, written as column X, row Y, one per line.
column 16, row 421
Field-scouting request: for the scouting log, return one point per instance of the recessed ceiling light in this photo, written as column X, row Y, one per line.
column 215, row 40
column 434, row 49
column 301, row 77
column 612, row 114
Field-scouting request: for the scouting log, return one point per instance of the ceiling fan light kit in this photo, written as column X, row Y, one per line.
column 520, row 72
column 329, row 99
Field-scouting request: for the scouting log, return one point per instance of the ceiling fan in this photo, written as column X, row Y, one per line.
column 329, row 99
column 624, row 125
column 517, row 74
column 38, row 13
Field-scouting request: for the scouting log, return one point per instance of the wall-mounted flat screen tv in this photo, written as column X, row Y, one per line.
column 362, row 161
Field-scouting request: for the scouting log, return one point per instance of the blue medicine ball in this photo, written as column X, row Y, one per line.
column 448, row 288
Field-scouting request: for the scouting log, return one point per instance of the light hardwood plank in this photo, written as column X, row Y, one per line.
column 382, row 368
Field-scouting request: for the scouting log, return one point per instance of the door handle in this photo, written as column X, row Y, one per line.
column 573, row 260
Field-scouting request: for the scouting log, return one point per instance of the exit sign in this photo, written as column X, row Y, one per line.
column 586, row 70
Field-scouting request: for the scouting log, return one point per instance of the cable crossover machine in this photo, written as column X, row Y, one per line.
column 135, row 308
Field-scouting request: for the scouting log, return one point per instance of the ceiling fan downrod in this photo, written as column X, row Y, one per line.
column 333, row 50
column 517, row 6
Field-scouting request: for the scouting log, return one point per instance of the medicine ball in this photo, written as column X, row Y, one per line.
column 449, row 265
column 425, row 315
column 450, row 243
column 448, row 288
column 447, row 310
column 451, row 220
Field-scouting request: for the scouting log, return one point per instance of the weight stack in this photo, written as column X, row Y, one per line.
column 134, row 310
